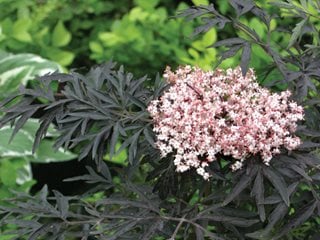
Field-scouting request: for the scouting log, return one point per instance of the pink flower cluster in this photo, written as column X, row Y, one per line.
column 223, row 112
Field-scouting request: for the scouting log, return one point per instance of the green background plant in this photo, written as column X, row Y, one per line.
column 140, row 34
column 57, row 30
column 146, row 40
column 16, row 154
column 16, row 157
column 17, row 69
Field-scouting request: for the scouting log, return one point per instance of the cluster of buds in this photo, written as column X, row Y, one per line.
column 204, row 114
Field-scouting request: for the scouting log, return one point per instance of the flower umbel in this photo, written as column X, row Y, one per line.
column 223, row 112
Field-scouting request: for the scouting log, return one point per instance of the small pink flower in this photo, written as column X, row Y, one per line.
column 208, row 113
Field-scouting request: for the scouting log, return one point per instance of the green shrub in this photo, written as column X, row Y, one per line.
column 139, row 34
column 58, row 30
column 146, row 39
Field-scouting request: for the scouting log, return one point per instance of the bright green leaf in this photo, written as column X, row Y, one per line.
column 20, row 30
column 119, row 158
column 96, row 47
column 182, row 6
column 198, row 45
column 209, row 37
column 258, row 27
column 193, row 53
column 109, row 39
column 200, row 2
column 147, row 4
column 64, row 58
column 273, row 24
column 137, row 14
column 60, row 36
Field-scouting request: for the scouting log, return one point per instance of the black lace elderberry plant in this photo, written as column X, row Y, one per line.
column 147, row 199
column 293, row 176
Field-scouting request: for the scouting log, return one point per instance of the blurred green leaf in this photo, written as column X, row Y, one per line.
column 15, row 174
column 46, row 153
column 24, row 173
column 2, row 36
column 32, row 125
column 119, row 158
column 96, row 47
column 109, row 39
column 193, row 53
column 8, row 173
column 138, row 14
column 209, row 37
column 198, row 45
column 16, row 69
column 4, row 192
column 258, row 27
column 7, row 236
column 62, row 57
column 60, row 36
column 20, row 146
column 147, row 4
column 200, row 2
column 20, row 30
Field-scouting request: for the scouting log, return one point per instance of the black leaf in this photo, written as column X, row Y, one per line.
column 302, row 215
column 242, row 184
column 300, row 171
column 229, row 42
column 278, row 182
column 151, row 230
column 245, row 58
column 242, row 7
column 308, row 144
column 258, row 193
column 296, row 32
column 276, row 215
column 229, row 53
column 62, row 203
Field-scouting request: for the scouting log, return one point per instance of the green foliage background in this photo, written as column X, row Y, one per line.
column 140, row 34
column 143, row 35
